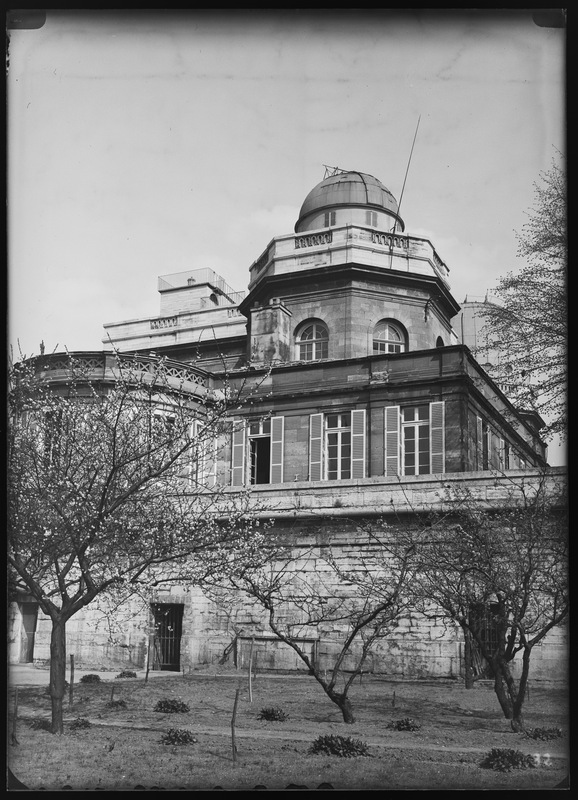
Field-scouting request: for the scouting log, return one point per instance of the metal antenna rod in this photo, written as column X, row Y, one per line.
column 408, row 163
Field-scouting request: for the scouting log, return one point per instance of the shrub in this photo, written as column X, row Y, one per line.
column 273, row 714
column 41, row 725
column 126, row 673
column 504, row 759
column 116, row 705
column 178, row 736
column 90, row 677
column 66, row 686
column 170, row 706
column 544, row 734
column 343, row 746
column 405, row 724
column 80, row 724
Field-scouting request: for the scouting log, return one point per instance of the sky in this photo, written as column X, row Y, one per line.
column 144, row 143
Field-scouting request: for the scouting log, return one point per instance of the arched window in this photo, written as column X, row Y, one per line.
column 312, row 342
column 440, row 342
column 388, row 338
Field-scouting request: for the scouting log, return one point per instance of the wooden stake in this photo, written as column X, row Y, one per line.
column 112, row 692
column 71, row 687
column 251, row 670
column 233, row 725
column 393, row 699
column 148, row 660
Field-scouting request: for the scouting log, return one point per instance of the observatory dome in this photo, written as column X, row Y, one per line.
column 350, row 195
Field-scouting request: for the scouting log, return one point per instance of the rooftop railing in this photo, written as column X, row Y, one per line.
column 196, row 277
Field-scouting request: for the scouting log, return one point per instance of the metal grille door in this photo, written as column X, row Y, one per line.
column 168, row 618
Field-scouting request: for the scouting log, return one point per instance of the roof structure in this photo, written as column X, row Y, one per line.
column 352, row 188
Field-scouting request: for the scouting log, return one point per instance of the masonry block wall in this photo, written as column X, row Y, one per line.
column 214, row 633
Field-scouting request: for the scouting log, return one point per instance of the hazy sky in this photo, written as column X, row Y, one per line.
column 145, row 143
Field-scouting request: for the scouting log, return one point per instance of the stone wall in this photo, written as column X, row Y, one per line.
column 330, row 517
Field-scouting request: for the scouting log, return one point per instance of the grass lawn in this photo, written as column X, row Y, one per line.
column 120, row 746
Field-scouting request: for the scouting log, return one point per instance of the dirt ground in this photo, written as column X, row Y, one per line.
column 122, row 747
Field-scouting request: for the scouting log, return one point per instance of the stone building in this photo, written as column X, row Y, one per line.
column 365, row 394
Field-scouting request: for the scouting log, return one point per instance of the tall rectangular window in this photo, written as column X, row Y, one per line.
column 260, row 450
column 329, row 219
column 414, row 442
column 257, row 451
column 415, row 429
column 338, row 446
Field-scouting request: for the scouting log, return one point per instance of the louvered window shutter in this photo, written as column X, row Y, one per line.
column 496, row 451
column 316, row 447
column 489, row 448
column 209, row 462
column 392, row 440
column 502, row 454
column 358, row 443
column 238, row 453
column 437, row 437
column 277, row 428
column 479, row 444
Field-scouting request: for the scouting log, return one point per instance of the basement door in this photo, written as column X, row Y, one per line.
column 168, row 619
column 29, row 613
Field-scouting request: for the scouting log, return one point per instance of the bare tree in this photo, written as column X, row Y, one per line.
column 310, row 593
column 528, row 325
column 112, row 487
column 501, row 575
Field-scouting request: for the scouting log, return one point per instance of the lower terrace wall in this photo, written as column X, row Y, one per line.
column 416, row 648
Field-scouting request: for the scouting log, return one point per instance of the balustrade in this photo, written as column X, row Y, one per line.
column 313, row 240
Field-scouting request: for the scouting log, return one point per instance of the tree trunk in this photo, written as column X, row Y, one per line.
column 510, row 693
column 501, row 691
column 340, row 699
column 517, row 718
column 517, row 723
column 344, row 704
column 347, row 710
column 57, row 673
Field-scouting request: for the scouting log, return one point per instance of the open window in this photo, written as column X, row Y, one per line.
column 257, row 451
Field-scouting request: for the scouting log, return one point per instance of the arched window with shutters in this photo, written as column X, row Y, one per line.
column 388, row 337
column 312, row 341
